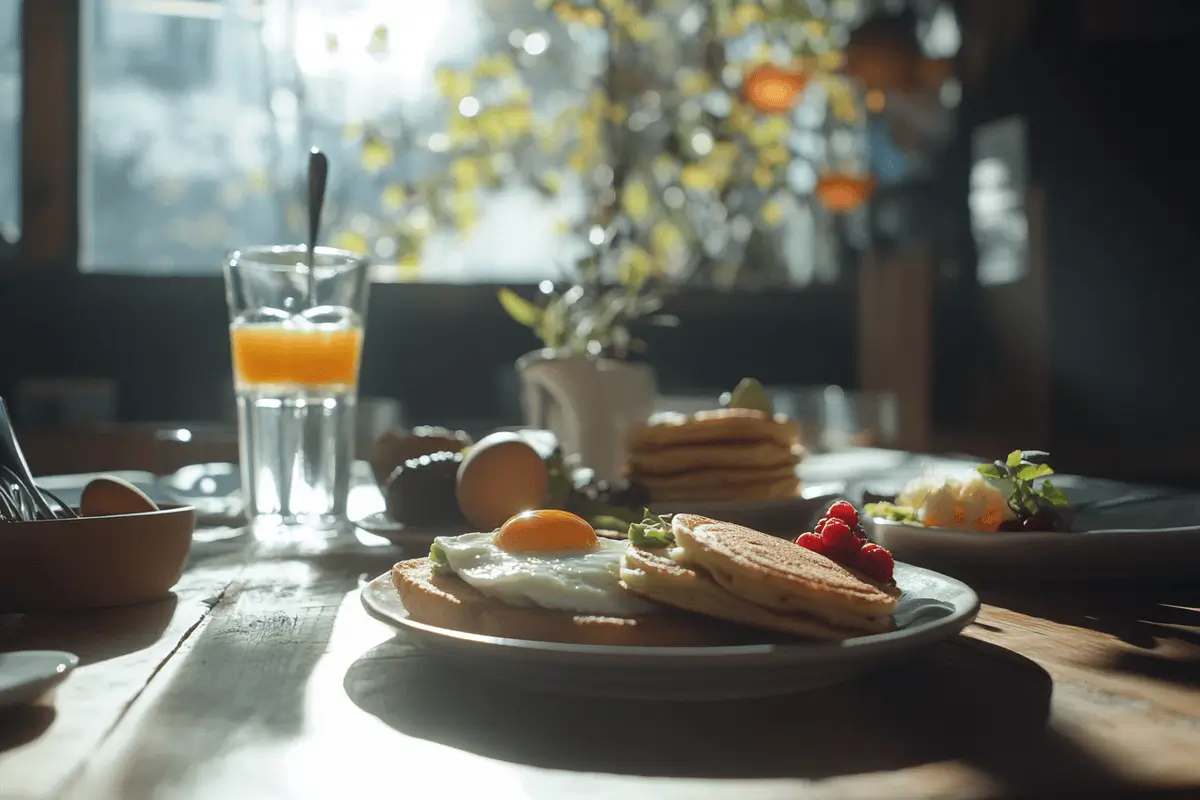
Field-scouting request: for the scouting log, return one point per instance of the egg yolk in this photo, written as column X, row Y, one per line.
column 546, row 530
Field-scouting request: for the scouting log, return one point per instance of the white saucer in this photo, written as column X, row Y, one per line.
column 28, row 674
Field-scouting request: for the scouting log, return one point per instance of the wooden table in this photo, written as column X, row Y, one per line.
column 263, row 677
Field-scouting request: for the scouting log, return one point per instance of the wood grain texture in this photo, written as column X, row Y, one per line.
column 265, row 679
column 292, row 691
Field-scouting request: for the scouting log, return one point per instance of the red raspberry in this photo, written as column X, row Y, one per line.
column 875, row 562
column 859, row 532
column 845, row 511
column 811, row 541
column 840, row 543
column 820, row 526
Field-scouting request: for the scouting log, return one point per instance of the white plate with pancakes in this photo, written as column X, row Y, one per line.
column 784, row 515
column 931, row 607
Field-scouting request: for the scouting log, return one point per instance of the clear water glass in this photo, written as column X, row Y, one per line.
column 296, row 340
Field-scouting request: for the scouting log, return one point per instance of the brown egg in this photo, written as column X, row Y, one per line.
column 109, row 495
column 501, row 475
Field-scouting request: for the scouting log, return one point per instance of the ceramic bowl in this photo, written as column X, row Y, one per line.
column 93, row 562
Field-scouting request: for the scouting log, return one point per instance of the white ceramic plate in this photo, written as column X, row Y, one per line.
column 932, row 607
column 790, row 515
column 1100, row 555
column 27, row 675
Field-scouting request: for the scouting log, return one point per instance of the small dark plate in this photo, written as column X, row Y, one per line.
column 380, row 524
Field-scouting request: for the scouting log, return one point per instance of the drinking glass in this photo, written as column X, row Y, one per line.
column 297, row 341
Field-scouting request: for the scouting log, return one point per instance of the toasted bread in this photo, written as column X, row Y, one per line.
column 656, row 576
column 448, row 602
column 780, row 575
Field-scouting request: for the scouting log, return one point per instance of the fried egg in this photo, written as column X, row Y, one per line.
column 549, row 559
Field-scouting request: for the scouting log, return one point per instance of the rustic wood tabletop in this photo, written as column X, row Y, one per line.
column 263, row 677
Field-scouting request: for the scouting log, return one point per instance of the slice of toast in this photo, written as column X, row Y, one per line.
column 448, row 602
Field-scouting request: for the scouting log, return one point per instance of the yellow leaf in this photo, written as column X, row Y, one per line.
column 519, row 308
column 453, row 84
column 258, row 183
column 499, row 65
column 577, row 162
column 774, row 155
column 463, row 132
column 348, row 240
column 772, row 212
column 748, row 14
column 635, row 267
column 296, row 217
column 635, row 199
column 771, row 130
column 830, row 61
column 553, row 182
column 763, row 177
column 665, row 238
column 591, row 17
column 697, row 178
column 693, row 82
column 618, row 114
column 376, row 154
column 394, row 196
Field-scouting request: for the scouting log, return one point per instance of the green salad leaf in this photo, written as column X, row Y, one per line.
column 893, row 512
column 652, row 533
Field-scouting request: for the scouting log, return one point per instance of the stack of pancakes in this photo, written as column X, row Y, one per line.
column 730, row 454
column 736, row 574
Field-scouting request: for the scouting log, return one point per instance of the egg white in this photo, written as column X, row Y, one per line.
column 581, row 581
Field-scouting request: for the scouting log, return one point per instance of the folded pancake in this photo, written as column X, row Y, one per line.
column 741, row 575
column 435, row 598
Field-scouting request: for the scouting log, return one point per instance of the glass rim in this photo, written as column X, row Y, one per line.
column 264, row 256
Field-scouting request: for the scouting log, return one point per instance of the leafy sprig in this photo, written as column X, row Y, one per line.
column 651, row 533
column 1021, row 468
column 603, row 301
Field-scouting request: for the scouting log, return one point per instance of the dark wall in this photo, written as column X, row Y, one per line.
column 445, row 351
column 1107, row 90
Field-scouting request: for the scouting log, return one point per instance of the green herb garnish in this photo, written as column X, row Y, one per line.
column 893, row 512
column 652, row 533
column 1021, row 469
column 438, row 556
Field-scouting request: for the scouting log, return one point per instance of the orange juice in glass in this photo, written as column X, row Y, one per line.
column 296, row 341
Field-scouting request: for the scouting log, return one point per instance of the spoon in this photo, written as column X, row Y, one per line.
column 318, row 172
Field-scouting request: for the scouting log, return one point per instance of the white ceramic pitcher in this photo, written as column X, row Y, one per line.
column 589, row 403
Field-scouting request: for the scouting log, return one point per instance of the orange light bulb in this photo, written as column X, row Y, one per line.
column 773, row 90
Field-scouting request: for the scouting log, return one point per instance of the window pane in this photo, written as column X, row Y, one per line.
column 10, row 125
column 476, row 140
